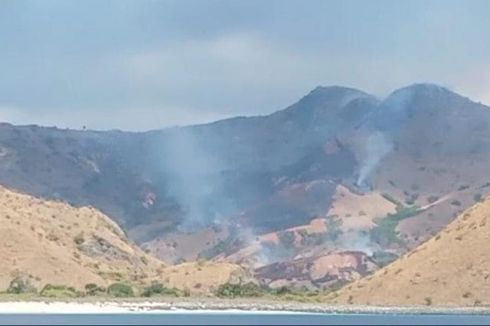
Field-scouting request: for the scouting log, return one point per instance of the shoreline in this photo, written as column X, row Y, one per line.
column 216, row 306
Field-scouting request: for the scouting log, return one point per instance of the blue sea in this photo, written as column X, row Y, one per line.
column 223, row 318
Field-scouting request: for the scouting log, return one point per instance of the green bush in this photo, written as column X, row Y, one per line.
column 93, row 289
column 79, row 239
column 384, row 232
column 158, row 289
column 19, row 285
column 229, row 290
column 59, row 291
column 120, row 290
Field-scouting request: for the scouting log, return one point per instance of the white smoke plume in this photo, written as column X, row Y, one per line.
column 377, row 146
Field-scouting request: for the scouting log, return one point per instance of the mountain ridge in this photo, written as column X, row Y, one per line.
column 209, row 190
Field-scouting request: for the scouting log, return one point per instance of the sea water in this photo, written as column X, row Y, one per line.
column 241, row 318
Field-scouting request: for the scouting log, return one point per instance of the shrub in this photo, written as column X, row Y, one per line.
column 120, row 290
column 456, row 203
column 158, row 289
column 79, row 239
column 93, row 289
column 229, row 290
column 59, row 291
column 283, row 290
column 383, row 258
column 390, row 199
column 432, row 199
column 384, row 231
column 19, row 285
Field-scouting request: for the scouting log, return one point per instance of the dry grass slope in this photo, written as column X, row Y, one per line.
column 452, row 268
column 53, row 242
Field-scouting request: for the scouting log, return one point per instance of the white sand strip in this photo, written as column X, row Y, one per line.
column 113, row 307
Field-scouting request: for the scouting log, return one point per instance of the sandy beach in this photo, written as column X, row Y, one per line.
column 215, row 306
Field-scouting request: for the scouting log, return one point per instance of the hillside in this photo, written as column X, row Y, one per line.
column 51, row 242
column 453, row 268
column 390, row 172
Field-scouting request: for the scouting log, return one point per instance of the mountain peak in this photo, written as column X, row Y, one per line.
column 335, row 90
column 425, row 90
column 336, row 96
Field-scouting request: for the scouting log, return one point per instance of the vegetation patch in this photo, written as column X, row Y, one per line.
column 93, row 289
column 218, row 248
column 59, row 291
column 79, row 239
column 456, row 203
column 384, row 232
column 383, row 258
column 333, row 226
column 120, row 290
column 158, row 289
column 239, row 290
column 20, row 285
column 432, row 199
column 391, row 199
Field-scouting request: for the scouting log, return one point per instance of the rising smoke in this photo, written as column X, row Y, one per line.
column 377, row 145
column 357, row 241
column 393, row 112
column 194, row 179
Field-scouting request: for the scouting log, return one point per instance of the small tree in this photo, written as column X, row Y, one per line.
column 120, row 290
column 158, row 289
column 93, row 289
column 230, row 290
column 60, row 291
column 19, row 285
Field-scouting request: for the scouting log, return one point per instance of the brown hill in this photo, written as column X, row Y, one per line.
column 453, row 268
column 53, row 242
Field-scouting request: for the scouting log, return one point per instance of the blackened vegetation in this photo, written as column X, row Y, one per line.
column 298, row 271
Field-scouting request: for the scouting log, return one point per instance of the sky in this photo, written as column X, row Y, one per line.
column 141, row 64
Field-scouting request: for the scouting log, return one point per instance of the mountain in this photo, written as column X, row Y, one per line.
column 452, row 268
column 221, row 191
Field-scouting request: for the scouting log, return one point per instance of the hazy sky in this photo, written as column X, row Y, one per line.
column 140, row 65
